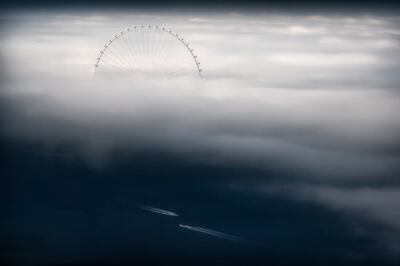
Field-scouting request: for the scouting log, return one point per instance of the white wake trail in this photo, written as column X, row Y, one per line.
column 157, row 210
column 211, row 232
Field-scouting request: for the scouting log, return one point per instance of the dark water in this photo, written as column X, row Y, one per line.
column 57, row 209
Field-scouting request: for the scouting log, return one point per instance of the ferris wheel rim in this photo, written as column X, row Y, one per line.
column 148, row 27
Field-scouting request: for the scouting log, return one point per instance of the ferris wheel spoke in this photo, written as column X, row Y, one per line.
column 112, row 60
column 119, row 49
column 128, row 51
column 107, row 61
column 132, row 53
column 115, row 58
column 134, row 43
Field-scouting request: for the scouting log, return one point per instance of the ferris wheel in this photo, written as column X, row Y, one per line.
column 148, row 49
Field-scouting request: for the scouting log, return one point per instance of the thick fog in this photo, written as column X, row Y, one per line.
column 314, row 95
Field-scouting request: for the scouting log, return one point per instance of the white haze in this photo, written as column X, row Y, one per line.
column 317, row 93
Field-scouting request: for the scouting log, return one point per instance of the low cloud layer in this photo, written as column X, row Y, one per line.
column 316, row 95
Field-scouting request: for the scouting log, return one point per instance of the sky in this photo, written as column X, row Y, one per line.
column 289, row 142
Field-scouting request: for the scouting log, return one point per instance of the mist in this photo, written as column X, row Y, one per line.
column 312, row 96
